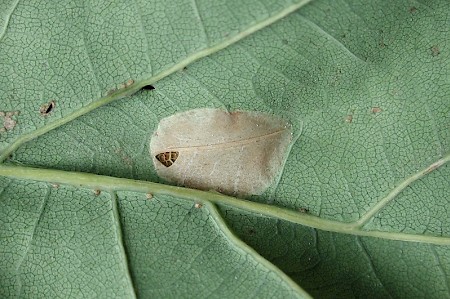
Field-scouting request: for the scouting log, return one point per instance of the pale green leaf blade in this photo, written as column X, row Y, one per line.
column 81, row 55
column 366, row 86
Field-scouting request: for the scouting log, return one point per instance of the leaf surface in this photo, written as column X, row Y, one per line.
column 360, row 208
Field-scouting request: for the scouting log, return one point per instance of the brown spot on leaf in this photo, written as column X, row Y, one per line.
column 47, row 108
column 412, row 9
column 97, row 192
column 149, row 196
column 9, row 121
column 129, row 82
column 198, row 205
column 303, row 210
column 239, row 153
column 375, row 110
column 435, row 51
column 349, row 118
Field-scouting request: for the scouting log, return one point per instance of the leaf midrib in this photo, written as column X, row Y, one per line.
column 93, row 181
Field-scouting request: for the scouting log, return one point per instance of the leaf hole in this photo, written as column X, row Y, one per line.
column 148, row 87
column 46, row 109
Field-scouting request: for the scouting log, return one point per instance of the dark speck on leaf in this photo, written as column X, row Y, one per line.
column 148, row 87
column 47, row 108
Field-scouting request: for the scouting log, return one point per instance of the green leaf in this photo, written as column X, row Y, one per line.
column 361, row 207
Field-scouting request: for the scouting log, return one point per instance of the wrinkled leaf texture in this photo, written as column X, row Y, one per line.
column 365, row 84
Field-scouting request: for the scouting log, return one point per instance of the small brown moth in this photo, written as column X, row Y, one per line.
column 167, row 158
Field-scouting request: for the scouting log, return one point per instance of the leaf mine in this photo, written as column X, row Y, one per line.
column 237, row 153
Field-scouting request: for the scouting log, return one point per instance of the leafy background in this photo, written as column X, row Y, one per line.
column 365, row 84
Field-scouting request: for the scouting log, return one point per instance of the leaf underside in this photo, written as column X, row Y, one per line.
column 359, row 209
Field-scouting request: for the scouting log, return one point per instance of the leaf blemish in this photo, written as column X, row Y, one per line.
column 9, row 122
column 111, row 91
column 148, row 87
column 435, row 51
column 238, row 153
column 129, row 83
column 47, row 108
column 375, row 110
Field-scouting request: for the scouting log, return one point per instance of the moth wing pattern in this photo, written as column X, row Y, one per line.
column 167, row 158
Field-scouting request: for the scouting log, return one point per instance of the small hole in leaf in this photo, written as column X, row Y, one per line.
column 47, row 108
column 148, row 87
